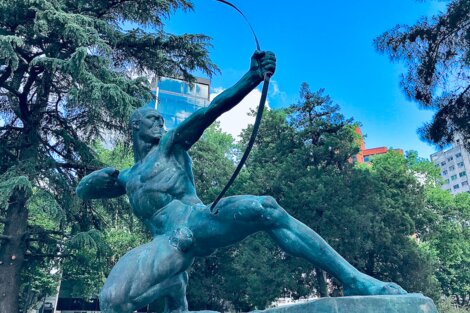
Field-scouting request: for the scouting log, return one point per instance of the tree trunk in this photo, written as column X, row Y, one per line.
column 12, row 251
column 322, row 283
column 370, row 264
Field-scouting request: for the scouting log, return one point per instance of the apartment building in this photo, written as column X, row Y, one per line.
column 454, row 164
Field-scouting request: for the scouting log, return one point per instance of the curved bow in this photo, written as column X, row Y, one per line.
column 259, row 114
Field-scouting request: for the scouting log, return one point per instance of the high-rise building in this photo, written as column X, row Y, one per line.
column 454, row 164
column 176, row 99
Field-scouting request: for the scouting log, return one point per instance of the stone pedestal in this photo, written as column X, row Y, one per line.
column 410, row 303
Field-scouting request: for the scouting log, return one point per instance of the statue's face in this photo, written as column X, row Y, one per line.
column 150, row 127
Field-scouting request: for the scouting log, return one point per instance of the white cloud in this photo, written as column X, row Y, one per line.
column 277, row 92
column 237, row 119
column 182, row 115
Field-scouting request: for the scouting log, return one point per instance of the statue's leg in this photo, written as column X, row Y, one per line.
column 144, row 274
column 175, row 300
column 298, row 239
column 240, row 216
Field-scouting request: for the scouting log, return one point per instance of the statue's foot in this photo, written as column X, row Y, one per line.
column 366, row 285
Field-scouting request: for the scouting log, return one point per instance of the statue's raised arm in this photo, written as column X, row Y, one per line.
column 190, row 130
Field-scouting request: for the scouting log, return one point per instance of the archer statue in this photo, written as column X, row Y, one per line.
column 161, row 190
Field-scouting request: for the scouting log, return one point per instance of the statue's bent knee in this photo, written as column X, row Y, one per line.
column 269, row 202
column 273, row 213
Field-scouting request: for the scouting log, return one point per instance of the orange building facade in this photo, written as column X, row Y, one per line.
column 365, row 155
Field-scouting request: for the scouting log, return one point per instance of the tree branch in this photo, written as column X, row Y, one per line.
column 5, row 75
column 45, row 231
column 110, row 6
column 10, row 127
column 47, row 255
column 27, row 86
column 5, row 237
column 11, row 90
column 76, row 166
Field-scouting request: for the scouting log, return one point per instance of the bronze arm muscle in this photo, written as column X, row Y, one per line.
column 191, row 129
column 99, row 184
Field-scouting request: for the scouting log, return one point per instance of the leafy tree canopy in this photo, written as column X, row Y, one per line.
column 303, row 157
column 437, row 53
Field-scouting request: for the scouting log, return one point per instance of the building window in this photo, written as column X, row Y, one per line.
column 366, row 159
column 462, row 174
column 456, row 186
column 177, row 100
column 465, row 183
column 458, row 155
column 444, row 173
column 443, row 163
column 448, row 190
column 460, row 164
column 450, row 159
column 453, row 177
column 451, row 168
column 447, row 181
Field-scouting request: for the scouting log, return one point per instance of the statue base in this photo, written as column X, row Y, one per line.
column 409, row 303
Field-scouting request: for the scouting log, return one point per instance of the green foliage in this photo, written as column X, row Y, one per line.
column 243, row 277
column 212, row 166
column 39, row 280
column 9, row 184
column 427, row 172
column 92, row 240
column 44, row 210
column 121, row 241
column 371, row 215
column 446, row 305
column 7, row 50
column 97, row 250
column 70, row 73
column 436, row 52
column 449, row 239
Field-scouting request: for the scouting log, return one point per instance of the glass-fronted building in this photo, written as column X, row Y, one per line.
column 176, row 99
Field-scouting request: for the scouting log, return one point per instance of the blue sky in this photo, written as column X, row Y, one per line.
column 328, row 44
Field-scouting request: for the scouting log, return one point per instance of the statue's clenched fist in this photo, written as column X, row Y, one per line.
column 263, row 63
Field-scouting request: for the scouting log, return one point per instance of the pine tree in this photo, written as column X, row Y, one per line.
column 70, row 71
column 436, row 52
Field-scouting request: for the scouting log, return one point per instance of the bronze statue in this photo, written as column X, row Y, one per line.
column 161, row 190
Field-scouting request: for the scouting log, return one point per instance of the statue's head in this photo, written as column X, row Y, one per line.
column 147, row 125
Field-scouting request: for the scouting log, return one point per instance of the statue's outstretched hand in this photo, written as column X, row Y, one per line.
column 106, row 177
column 99, row 184
column 263, row 63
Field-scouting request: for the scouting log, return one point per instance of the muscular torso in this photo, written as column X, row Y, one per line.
column 158, row 179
